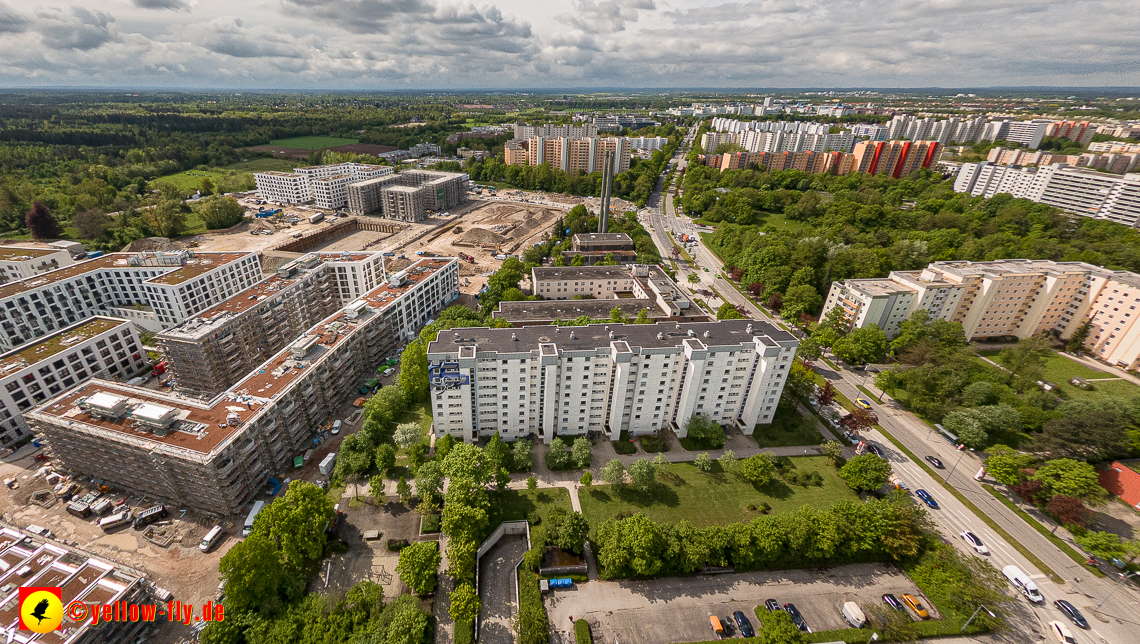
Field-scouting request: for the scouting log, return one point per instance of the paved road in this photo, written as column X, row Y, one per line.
column 1120, row 614
column 1118, row 617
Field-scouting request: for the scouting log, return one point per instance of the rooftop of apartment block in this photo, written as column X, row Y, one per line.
column 200, row 427
column 22, row 253
column 197, row 265
column 602, row 237
column 597, row 336
column 545, row 310
column 348, row 256
column 876, row 287
column 32, row 561
column 58, row 342
column 546, row 273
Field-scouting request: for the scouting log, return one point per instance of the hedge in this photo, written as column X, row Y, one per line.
column 532, row 623
column 582, row 632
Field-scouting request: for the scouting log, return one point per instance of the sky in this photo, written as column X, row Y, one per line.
column 504, row 44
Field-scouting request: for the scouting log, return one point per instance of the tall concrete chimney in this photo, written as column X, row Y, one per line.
column 607, row 187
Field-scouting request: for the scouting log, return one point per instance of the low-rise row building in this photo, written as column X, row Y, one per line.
column 606, row 379
column 1018, row 298
column 593, row 248
column 215, row 455
column 18, row 263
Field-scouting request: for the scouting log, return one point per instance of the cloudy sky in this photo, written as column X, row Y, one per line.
column 457, row 44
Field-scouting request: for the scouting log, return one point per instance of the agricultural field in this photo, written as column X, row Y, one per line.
column 237, row 176
column 312, row 142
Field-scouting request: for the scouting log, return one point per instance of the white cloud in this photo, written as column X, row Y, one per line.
column 376, row 44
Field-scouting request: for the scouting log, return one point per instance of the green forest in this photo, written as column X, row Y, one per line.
column 779, row 230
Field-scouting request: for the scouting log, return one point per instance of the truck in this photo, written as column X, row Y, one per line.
column 897, row 482
column 317, row 218
column 262, row 214
column 248, row 526
column 159, row 368
column 326, row 466
column 854, row 615
column 117, row 519
column 95, row 253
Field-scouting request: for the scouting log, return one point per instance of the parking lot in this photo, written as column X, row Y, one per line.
column 677, row 609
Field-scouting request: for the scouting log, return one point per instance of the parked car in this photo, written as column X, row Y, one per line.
column 743, row 623
column 41, row 531
column 1062, row 633
column 874, row 449
column 926, row 498
column 1072, row 613
column 915, row 605
column 862, row 402
column 934, row 461
column 772, row 605
column 975, row 543
column 893, row 602
column 797, row 619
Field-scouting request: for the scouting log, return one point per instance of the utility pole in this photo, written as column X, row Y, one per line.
column 980, row 607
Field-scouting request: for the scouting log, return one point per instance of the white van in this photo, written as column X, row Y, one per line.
column 1023, row 583
column 212, row 537
column 336, row 427
column 854, row 615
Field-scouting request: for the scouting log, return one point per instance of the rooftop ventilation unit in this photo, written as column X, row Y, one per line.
column 660, row 335
column 353, row 310
column 748, row 329
column 105, row 405
column 301, row 347
column 706, row 334
column 154, row 416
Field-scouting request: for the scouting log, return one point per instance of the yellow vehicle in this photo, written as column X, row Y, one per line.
column 915, row 605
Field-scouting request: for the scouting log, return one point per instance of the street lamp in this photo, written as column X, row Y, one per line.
column 1123, row 577
column 962, row 452
column 980, row 607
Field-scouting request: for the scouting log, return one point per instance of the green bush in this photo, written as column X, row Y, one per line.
column 430, row 524
column 396, row 545
column 624, row 445
column 531, row 623
column 654, row 444
column 582, row 632
column 465, row 633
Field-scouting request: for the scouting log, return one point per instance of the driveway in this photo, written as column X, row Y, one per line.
column 497, row 589
column 677, row 609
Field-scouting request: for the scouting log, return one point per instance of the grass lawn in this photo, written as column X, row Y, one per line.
column 189, row 180
column 685, row 493
column 312, row 142
column 1059, row 370
column 516, row 505
column 789, row 428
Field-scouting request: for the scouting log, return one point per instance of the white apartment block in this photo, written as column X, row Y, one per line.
column 525, row 132
column 156, row 289
column 1017, row 298
column 1076, row 191
column 324, row 185
column 99, row 347
column 647, row 142
column 216, row 455
column 567, row 381
column 17, row 263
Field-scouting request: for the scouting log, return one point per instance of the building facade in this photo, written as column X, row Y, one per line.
column 573, row 154
column 159, row 289
column 323, row 185
column 215, row 455
column 408, row 195
column 594, row 247
column 99, row 347
column 606, row 379
column 17, row 263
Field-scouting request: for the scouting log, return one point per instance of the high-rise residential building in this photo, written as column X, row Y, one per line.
column 894, row 158
column 647, row 142
column 567, row 381
column 98, row 347
column 215, row 455
column 525, row 132
column 1016, row 298
column 152, row 289
column 408, row 196
column 1080, row 192
column 573, row 154
column 323, row 185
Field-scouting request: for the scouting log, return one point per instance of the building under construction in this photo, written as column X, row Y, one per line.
column 214, row 456
column 408, row 196
column 594, row 247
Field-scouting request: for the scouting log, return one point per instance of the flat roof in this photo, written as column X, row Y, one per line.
column 58, row 342
column 348, row 256
column 596, row 336
column 582, row 272
column 570, row 309
column 18, row 253
column 879, row 286
column 249, row 395
column 201, row 263
column 611, row 237
column 236, row 305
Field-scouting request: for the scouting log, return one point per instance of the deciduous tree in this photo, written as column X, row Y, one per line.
column 1007, row 465
column 758, row 469
column 613, row 473
column 418, row 566
column 414, row 371
column 464, row 604
column 1069, row 510
column 42, row 223
column 407, row 434
column 865, row 472
column 1066, row 477
column 642, row 474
